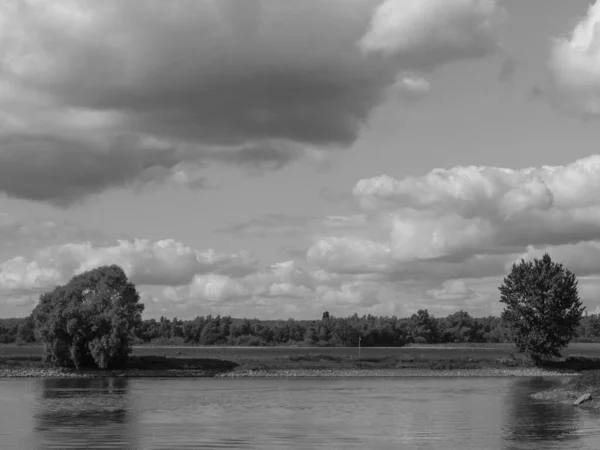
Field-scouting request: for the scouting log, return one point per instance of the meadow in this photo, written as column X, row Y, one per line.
column 442, row 357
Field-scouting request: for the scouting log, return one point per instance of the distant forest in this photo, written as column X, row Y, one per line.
column 330, row 331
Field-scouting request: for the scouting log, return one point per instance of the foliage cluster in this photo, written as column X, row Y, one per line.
column 89, row 322
column 542, row 307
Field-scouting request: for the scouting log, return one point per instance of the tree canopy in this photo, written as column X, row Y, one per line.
column 89, row 322
column 543, row 309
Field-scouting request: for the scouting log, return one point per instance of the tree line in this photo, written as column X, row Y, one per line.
column 420, row 328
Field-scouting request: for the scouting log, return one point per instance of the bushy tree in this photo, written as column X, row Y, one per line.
column 424, row 327
column 89, row 322
column 542, row 309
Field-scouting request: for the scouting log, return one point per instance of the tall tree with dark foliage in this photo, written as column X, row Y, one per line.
column 543, row 309
column 89, row 322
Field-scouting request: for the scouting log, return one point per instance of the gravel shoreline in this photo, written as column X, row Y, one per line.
column 283, row 373
column 66, row 373
column 566, row 396
column 392, row 373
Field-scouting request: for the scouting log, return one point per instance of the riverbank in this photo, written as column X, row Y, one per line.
column 301, row 363
column 32, row 372
column 394, row 373
column 583, row 391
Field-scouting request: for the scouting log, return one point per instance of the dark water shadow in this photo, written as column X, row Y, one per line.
column 85, row 413
column 531, row 424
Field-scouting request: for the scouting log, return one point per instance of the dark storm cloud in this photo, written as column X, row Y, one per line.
column 60, row 171
column 256, row 83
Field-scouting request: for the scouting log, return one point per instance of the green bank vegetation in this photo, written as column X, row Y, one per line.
column 288, row 358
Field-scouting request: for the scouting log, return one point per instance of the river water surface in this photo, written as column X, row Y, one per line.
column 401, row 413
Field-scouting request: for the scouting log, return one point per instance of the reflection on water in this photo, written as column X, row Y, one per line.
column 549, row 425
column 534, row 421
column 84, row 413
column 407, row 413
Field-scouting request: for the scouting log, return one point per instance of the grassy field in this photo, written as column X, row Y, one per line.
column 423, row 357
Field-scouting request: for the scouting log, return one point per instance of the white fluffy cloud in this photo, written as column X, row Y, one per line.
column 470, row 210
column 428, row 32
column 165, row 262
column 455, row 232
column 281, row 280
column 350, row 255
column 421, row 238
column 19, row 275
column 277, row 289
column 171, row 275
column 101, row 94
column 575, row 65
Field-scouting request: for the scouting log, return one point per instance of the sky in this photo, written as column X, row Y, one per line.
column 269, row 159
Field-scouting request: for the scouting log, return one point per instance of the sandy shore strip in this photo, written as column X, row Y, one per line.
column 393, row 373
column 282, row 373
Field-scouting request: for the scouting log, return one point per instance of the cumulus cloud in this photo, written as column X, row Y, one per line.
column 445, row 240
column 431, row 32
column 453, row 222
column 165, row 262
column 18, row 275
column 286, row 283
column 171, row 275
column 101, row 94
column 350, row 255
column 421, row 238
column 466, row 209
column 575, row 65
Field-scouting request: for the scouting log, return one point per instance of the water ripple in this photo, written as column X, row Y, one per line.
column 411, row 413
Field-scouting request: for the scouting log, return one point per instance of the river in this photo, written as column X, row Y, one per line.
column 402, row 413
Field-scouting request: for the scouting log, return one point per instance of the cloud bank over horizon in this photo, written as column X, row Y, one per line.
column 96, row 95
column 441, row 241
